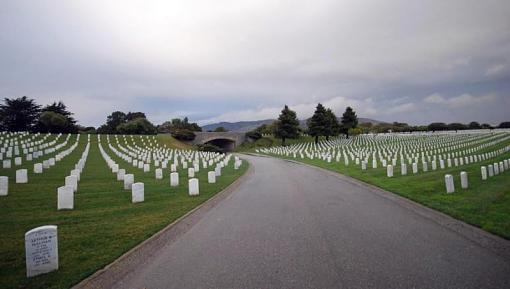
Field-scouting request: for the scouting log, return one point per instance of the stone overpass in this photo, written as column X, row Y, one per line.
column 225, row 140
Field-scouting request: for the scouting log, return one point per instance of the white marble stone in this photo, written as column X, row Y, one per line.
column 490, row 169
column 191, row 173
column 174, row 179
column 403, row 169
column 76, row 173
column 129, row 179
column 146, row 168
column 415, row 168
column 120, row 174
column 484, row 173
column 193, row 187
column 21, row 176
column 450, row 186
column 217, row 171
column 137, row 192
column 65, row 198
column 38, row 168
column 496, row 168
column 4, row 186
column 7, row 164
column 389, row 171
column 115, row 168
column 41, row 250
column 463, row 180
column 72, row 181
column 18, row 161
column 211, row 177
column 158, row 173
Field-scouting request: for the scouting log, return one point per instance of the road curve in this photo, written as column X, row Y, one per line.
column 292, row 226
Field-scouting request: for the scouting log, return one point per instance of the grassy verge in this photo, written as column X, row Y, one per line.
column 103, row 225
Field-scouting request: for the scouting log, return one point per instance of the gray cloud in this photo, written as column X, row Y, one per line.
column 234, row 60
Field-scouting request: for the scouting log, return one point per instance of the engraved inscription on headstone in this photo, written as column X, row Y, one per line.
column 41, row 249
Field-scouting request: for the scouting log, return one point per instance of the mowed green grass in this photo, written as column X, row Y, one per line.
column 486, row 204
column 103, row 225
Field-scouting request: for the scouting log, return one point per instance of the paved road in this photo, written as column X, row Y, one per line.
column 292, row 226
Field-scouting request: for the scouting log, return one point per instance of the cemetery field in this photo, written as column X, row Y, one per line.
column 104, row 223
column 485, row 204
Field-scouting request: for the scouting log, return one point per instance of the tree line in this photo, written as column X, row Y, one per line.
column 24, row 114
column 322, row 123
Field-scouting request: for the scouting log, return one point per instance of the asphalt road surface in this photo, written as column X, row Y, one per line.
column 292, row 226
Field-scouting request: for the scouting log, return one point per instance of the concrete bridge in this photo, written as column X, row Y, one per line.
column 225, row 140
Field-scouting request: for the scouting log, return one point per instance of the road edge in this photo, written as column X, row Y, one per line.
column 130, row 260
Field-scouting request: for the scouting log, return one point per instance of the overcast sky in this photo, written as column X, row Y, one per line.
column 410, row 61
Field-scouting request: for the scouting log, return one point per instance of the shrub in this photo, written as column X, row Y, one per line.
column 209, row 148
column 183, row 134
column 255, row 135
column 137, row 126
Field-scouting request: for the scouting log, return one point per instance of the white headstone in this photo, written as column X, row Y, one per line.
column 7, row 164
column 21, row 176
column 490, row 168
column 415, row 168
column 137, row 192
column 120, row 174
column 211, row 177
column 191, row 173
column 389, row 171
column 41, row 250
column 146, row 168
column 115, row 168
column 4, row 186
column 17, row 161
column 65, row 198
column 129, row 179
column 193, row 187
column 484, row 173
column 174, row 179
column 72, row 181
column 496, row 169
column 38, row 168
column 450, row 187
column 463, row 180
column 217, row 171
column 159, row 173
column 403, row 169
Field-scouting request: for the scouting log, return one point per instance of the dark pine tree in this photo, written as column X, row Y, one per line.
column 19, row 114
column 317, row 125
column 349, row 120
column 287, row 125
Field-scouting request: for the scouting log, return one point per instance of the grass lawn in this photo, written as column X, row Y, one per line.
column 486, row 204
column 103, row 225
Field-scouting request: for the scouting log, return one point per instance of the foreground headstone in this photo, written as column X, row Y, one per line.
column 41, row 250
column 191, row 173
column 137, row 192
column 4, row 185
column 21, row 176
column 463, row 180
column 129, row 179
column 450, row 187
column 193, row 189
column 65, row 196
column 211, row 177
column 174, row 179
column 403, row 169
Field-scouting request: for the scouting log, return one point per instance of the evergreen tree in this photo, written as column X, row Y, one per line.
column 60, row 109
column 287, row 125
column 332, row 125
column 349, row 120
column 19, row 114
column 317, row 125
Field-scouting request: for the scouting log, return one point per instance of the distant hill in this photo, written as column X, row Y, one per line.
column 240, row 126
column 244, row 126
